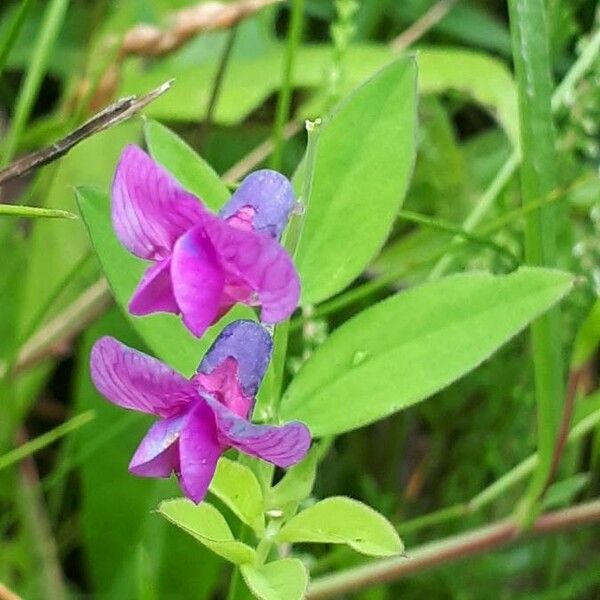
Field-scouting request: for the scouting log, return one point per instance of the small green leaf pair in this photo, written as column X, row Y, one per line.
column 336, row 520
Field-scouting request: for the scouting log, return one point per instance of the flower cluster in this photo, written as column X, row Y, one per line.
column 203, row 264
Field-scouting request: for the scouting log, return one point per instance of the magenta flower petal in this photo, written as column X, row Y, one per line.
column 249, row 344
column 158, row 453
column 134, row 380
column 199, row 451
column 150, row 209
column 270, row 197
column 283, row 446
column 261, row 263
column 154, row 293
column 198, row 280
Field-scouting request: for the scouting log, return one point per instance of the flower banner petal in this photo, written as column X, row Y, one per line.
column 198, row 280
column 134, row 380
column 150, row 209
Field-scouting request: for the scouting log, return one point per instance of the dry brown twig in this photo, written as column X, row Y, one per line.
column 6, row 594
column 53, row 339
column 116, row 113
column 459, row 547
column 150, row 41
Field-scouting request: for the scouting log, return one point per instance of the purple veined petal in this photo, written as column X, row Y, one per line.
column 134, row 380
column 158, row 453
column 198, row 280
column 271, row 197
column 282, row 446
column 150, row 209
column 249, row 344
column 199, row 450
column 154, row 293
column 262, row 263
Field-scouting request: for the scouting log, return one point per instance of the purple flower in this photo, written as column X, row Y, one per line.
column 202, row 417
column 203, row 263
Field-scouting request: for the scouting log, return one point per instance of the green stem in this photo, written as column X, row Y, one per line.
column 218, row 80
column 45, row 439
column 434, row 518
column 499, row 488
column 51, row 23
column 486, row 202
column 285, row 94
column 508, row 169
column 531, row 55
column 292, row 242
column 280, row 336
column 460, row 232
column 9, row 38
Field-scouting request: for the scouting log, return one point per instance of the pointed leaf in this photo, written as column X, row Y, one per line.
column 358, row 187
column 341, row 520
column 189, row 168
column 406, row 348
column 237, row 486
column 284, row 579
column 209, row 527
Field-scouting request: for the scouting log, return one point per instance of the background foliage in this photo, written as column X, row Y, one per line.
column 395, row 205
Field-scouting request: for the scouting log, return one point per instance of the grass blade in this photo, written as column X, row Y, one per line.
column 15, row 210
column 531, row 55
column 51, row 23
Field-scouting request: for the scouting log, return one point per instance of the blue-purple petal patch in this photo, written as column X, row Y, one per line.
column 249, row 344
column 270, row 196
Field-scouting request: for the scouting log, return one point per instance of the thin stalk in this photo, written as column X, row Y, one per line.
column 6, row 43
column 284, row 99
column 280, row 335
column 486, row 202
column 433, row 518
column 292, row 242
column 460, row 232
column 448, row 550
column 527, row 466
column 218, row 80
column 560, row 98
column 531, row 56
column 32, row 446
column 51, row 24
column 34, row 519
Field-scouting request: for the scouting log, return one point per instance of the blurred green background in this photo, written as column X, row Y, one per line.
column 73, row 523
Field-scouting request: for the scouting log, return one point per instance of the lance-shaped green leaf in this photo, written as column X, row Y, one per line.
column 189, row 168
column 284, row 579
column 209, row 527
column 341, row 520
column 34, row 212
column 365, row 157
column 237, row 486
column 408, row 347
